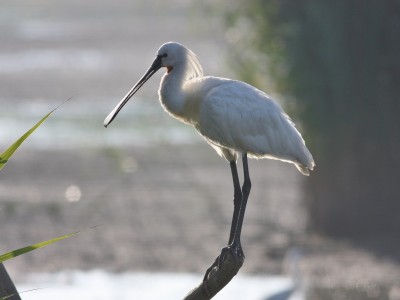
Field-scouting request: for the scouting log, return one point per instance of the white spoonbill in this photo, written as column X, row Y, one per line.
column 233, row 117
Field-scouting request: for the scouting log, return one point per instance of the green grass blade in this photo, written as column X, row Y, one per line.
column 20, row 251
column 5, row 156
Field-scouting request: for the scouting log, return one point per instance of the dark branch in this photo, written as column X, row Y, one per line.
column 218, row 277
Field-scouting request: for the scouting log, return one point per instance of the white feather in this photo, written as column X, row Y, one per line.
column 232, row 116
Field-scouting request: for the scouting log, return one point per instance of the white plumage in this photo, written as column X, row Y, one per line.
column 231, row 115
column 234, row 117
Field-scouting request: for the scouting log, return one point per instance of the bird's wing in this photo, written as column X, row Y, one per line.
column 238, row 116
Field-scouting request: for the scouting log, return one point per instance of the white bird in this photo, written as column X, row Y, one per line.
column 233, row 117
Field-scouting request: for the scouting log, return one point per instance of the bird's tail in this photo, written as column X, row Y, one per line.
column 297, row 148
column 303, row 169
column 307, row 162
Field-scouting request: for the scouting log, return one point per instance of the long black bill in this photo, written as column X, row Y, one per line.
column 155, row 66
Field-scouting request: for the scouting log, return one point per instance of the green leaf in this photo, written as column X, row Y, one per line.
column 17, row 252
column 5, row 156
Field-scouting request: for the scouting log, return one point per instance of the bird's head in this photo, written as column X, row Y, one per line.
column 170, row 55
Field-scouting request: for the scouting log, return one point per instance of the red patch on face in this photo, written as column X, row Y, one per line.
column 169, row 69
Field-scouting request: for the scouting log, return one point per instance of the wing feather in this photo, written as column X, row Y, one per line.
column 238, row 116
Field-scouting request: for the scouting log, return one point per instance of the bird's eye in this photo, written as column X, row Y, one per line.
column 164, row 55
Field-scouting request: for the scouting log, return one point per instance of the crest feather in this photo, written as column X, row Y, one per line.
column 193, row 66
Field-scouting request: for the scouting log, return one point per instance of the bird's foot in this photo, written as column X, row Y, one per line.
column 233, row 252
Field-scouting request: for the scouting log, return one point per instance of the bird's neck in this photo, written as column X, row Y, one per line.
column 171, row 93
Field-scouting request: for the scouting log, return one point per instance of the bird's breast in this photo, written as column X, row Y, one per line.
column 180, row 101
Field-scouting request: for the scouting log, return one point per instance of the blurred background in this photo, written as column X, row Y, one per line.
column 161, row 196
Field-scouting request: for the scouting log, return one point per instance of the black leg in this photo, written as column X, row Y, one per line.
column 237, row 199
column 240, row 201
column 245, row 195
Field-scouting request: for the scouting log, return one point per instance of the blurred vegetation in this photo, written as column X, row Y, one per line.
column 340, row 61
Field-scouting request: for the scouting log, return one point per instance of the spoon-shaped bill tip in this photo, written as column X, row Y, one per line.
column 112, row 114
